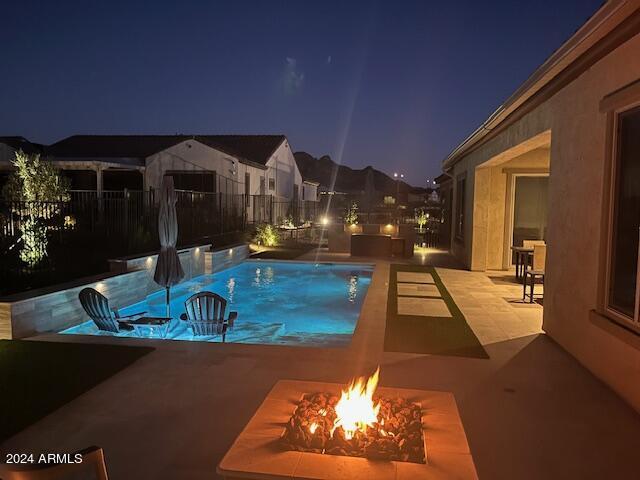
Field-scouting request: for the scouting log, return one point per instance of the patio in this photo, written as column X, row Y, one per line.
column 529, row 411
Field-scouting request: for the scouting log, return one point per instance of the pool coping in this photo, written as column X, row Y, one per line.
column 364, row 351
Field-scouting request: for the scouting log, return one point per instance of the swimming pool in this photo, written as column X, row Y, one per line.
column 284, row 303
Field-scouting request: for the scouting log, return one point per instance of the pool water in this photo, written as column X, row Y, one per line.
column 285, row 303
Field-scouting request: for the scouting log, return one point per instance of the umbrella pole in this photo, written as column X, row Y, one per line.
column 168, row 298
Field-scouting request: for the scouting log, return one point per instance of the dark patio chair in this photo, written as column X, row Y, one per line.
column 536, row 272
column 97, row 307
column 205, row 314
column 92, row 460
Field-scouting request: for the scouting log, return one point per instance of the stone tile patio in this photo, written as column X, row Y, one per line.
column 530, row 411
column 423, row 307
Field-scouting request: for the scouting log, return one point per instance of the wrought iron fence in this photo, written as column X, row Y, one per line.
column 86, row 229
column 295, row 211
column 123, row 213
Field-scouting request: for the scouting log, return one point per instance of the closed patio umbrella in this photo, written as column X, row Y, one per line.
column 168, row 269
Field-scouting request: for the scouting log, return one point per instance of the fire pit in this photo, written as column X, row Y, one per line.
column 347, row 440
column 357, row 425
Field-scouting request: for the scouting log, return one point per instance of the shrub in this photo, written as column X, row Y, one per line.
column 267, row 235
column 35, row 180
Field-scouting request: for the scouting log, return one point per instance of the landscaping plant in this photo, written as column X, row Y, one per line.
column 351, row 218
column 267, row 235
column 34, row 191
column 421, row 218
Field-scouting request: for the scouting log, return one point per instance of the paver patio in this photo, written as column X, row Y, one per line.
column 530, row 411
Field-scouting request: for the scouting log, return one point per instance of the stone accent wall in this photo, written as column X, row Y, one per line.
column 130, row 281
column 225, row 257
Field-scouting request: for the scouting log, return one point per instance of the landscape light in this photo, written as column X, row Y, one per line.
column 325, row 221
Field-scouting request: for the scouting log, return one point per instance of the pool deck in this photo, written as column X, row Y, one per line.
column 530, row 411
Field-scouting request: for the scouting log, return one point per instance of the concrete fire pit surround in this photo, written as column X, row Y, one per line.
column 257, row 452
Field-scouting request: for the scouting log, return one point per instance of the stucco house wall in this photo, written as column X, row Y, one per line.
column 576, row 194
column 283, row 169
column 7, row 154
column 192, row 155
column 530, row 133
column 576, row 129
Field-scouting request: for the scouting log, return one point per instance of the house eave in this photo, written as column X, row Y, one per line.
column 589, row 44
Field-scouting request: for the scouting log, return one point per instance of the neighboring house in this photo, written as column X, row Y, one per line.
column 310, row 190
column 416, row 196
column 559, row 160
column 8, row 148
column 231, row 164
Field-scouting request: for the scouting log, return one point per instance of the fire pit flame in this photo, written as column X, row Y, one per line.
column 356, row 409
column 356, row 425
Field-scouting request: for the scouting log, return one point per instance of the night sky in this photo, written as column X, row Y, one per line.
column 396, row 84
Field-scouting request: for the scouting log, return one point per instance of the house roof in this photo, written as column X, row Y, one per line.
column 254, row 148
column 21, row 143
column 614, row 23
column 113, row 146
column 249, row 148
column 442, row 178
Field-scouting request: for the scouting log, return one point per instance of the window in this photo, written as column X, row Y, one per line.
column 194, row 181
column 623, row 295
column 247, row 188
column 460, row 194
column 272, row 184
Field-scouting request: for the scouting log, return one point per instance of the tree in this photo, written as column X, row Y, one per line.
column 421, row 218
column 34, row 181
column 351, row 218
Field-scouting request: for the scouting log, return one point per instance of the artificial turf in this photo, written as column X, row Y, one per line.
column 37, row 377
column 429, row 335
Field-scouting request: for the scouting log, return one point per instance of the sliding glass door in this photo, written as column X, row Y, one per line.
column 529, row 208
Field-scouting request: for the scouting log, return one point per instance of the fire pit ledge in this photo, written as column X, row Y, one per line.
column 258, row 453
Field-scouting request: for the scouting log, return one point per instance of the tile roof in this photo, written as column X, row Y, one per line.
column 252, row 148
column 21, row 143
column 255, row 148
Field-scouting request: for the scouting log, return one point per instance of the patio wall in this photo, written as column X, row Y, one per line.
column 131, row 279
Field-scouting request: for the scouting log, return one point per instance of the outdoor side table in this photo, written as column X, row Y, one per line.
column 151, row 324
